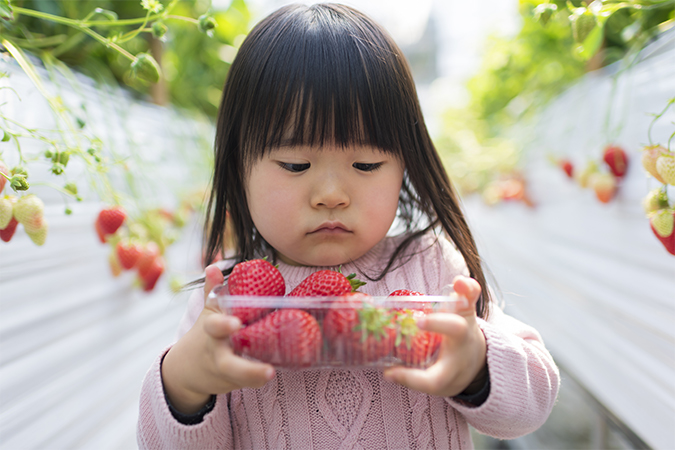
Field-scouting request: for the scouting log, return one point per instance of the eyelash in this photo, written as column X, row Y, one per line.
column 367, row 167
column 297, row 168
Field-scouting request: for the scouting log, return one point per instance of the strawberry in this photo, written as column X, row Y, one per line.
column 150, row 276
column 256, row 277
column 617, row 160
column 414, row 347
column 326, row 283
column 357, row 332
column 114, row 262
column 567, row 166
column 7, row 232
column 584, row 177
column 404, row 293
column 39, row 235
column 110, row 219
column 3, row 169
column 650, row 154
column 148, row 255
column 664, row 224
column 29, row 212
column 128, row 253
column 604, row 185
column 286, row 337
column 656, row 199
column 665, row 166
column 6, row 210
column 99, row 232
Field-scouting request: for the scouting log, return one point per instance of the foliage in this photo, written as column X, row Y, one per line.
column 558, row 42
column 177, row 49
column 193, row 45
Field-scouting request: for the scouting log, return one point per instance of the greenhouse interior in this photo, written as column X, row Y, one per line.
column 553, row 120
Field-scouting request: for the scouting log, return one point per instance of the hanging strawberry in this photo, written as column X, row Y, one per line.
column 615, row 157
column 662, row 225
column 665, row 166
column 650, row 154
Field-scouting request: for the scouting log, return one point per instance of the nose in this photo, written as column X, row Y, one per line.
column 329, row 192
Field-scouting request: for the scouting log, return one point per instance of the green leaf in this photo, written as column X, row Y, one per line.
column 591, row 44
column 6, row 11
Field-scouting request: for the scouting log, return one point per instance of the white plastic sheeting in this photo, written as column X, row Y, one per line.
column 591, row 277
column 75, row 342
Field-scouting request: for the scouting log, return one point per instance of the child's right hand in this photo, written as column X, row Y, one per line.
column 202, row 362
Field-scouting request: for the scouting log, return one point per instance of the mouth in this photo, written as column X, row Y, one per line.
column 330, row 228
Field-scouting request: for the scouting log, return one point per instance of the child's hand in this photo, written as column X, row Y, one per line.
column 461, row 364
column 202, row 363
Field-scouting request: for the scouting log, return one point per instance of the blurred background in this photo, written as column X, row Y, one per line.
column 108, row 103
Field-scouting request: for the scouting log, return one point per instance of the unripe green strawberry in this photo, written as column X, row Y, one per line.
column 39, row 235
column 604, row 185
column 6, row 207
column 650, row 154
column 583, row 177
column 656, row 199
column 662, row 221
column 145, row 68
column 29, row 211
column 665, row 166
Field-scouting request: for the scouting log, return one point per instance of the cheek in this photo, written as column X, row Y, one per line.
column 271, row 206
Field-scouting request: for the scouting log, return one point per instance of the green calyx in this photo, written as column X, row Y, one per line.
column 407, row 328
column 373, row 321
column 355, row 282
column 207, row 24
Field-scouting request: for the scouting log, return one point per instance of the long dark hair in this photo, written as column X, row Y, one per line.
column 326, row 73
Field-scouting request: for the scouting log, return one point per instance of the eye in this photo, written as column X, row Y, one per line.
column 367, row 167
column 294, row 167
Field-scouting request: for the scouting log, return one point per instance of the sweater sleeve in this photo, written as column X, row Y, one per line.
column 524, row 380
column 157, row 428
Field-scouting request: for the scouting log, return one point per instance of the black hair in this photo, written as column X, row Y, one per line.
column 318, row 74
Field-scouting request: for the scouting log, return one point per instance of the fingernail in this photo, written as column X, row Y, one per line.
column 235, row 323
column 269, row 373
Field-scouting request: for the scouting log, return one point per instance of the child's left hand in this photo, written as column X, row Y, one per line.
column 462, row 362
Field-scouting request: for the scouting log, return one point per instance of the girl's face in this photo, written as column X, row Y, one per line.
column 324, row 207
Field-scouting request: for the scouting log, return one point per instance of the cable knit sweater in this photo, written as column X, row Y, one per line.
column 358, row 409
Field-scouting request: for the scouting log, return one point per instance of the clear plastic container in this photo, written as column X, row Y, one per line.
column 335, row 332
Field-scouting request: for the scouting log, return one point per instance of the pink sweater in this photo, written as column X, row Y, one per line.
column 358, row 409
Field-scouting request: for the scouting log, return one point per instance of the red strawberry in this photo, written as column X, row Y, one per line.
column 286, row 337
column 128, row 253
column 326, row 283
column 149, row 254
column 662, row 226
column 7, row 233
column 415, row 347
column 567, row 166
column 99, row 232
column 617, row 160
column 404, row 293
column 3, row 169
column 150, row 276
column 256, row 277
column 110, row 219
column 358, row 332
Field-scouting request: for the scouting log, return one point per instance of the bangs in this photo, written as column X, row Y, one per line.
column 322, row 80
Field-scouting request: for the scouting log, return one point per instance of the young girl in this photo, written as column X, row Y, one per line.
column 321, row 146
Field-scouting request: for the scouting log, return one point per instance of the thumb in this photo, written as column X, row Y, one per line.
column 212, row 277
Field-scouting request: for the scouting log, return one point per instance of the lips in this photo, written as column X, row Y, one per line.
column 331, row 227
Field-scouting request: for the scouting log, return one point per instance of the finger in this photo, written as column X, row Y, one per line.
column 468, row 288
column 451, row 325
column 428, row 381
column 248, row 373
column 212, row 277
column 221, row 326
